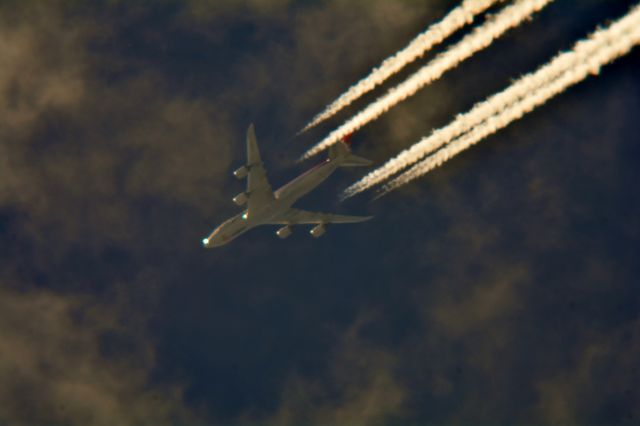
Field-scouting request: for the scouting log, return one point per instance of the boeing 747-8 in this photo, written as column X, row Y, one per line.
column 266, row 207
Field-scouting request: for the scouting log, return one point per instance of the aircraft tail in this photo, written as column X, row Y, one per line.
column 342, row 153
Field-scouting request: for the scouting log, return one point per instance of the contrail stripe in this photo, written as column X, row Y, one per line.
column 571, row 77
column 480, row 38
column 425, row 41
column 482, row 111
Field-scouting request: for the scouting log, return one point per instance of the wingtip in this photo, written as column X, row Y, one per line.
column 364, row 219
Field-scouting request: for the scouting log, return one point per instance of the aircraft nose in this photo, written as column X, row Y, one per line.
column 210, row 242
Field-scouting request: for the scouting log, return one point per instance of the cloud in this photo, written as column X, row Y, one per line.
column 321, row 46
column 202, row 10
column 483, row 304
column 115, row 155
column 87, row 137
column 73, row 138
column 54, row 368
column 359, row 389
column 600, row 386
column 42, row 65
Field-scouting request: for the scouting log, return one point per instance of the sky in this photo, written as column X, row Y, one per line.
column 501, row 288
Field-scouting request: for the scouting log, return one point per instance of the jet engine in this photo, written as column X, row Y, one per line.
column 284, row 232
column 241, row 172
column 241, row 198
column 318, row 231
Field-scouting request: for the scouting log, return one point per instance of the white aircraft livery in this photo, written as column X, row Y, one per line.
column 266, row 207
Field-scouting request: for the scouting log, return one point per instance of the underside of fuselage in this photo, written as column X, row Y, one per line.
column 305, row 183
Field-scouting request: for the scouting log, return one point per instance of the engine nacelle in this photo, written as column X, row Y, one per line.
column 318, row 231
column 284, row 232
column 241, row 199
column 241, row 172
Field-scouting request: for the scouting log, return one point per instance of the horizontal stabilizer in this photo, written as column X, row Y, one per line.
column 342, row 153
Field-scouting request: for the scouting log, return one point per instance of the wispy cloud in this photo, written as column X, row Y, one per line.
column 54, row 368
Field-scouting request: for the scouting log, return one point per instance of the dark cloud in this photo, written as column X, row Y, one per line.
column 96, row 146
column 360, row 388
column 42, row 67
column 498, row 289
column 58, row 365
column 587, row 392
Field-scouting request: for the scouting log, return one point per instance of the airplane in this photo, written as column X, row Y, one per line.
column 266, row 207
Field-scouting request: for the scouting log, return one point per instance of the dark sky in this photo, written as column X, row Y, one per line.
column 502, row 288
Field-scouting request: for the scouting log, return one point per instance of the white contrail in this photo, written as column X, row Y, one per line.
column 571, row 77
column 494, row 104
column 480, row 38
column 434, row 35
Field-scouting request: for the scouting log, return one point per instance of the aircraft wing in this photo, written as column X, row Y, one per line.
column 301, row 217
column 258, row 187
